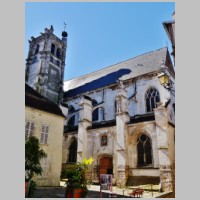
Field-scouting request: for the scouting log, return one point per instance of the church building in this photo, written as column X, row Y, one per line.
column 124, row 118
column 121, row 115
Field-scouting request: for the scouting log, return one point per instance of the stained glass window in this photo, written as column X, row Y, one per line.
column 144, row 150
column 152, row 99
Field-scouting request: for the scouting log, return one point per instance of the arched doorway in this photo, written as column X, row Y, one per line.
column 106, row 165
column 73, row 151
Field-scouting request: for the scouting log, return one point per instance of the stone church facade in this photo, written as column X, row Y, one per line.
column 121, row 115
column 124, row 118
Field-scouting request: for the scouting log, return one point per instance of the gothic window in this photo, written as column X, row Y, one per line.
column 152, row 99
column 115, row 106
column 37, row 49
column 71, row 121
column 29, row 129
column 73, row 151
column 144, row 150
column 101, row 111
column 44, row 134
column 95, row 115
column 104, row 140
column 52, row 48
column 58, row 53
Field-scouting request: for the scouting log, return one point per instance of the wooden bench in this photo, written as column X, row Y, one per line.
column 137, row 192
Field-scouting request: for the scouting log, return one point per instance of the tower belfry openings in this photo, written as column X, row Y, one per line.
column 45, row 64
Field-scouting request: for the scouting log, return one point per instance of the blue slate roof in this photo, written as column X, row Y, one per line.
column 108, row 79
column 139, row 65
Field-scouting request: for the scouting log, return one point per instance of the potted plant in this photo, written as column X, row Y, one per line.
column 33, row 155
column 76, row 180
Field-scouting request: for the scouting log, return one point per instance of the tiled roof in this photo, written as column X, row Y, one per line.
column 103, row 81
column 35, row 100
column 143, row 64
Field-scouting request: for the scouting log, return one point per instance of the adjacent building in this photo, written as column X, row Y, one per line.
column 44, row 120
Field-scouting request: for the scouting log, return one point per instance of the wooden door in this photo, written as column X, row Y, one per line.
column 106, row 166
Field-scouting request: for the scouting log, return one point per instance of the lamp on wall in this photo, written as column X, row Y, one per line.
column 165, row 82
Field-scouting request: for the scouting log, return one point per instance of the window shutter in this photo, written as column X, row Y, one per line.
column 46, row 134
column 27, row 125
column 42, row 138
column 42, row 135
column 29, row 129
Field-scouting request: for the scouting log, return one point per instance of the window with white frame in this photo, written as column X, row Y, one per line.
column 44, row 134
column 29, row 129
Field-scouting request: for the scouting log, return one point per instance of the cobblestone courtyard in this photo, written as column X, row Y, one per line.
column 94, row 192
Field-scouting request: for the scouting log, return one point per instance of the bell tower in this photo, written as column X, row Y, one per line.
column 45, row 64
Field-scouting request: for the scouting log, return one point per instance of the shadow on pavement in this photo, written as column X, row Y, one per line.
column 96, row 194
column 59, row 192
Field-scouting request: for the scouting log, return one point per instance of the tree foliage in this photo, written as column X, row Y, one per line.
column 76, row 175
column 33, row 155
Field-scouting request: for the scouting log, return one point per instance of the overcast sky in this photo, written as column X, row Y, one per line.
column 100, row 34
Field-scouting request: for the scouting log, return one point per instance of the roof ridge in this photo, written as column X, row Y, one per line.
column 116, row 64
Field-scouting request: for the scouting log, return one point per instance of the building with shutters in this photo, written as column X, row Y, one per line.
column 44, row 120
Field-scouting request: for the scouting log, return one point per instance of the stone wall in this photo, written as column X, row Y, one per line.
column 107, row 97
column 123, row 148
column 44, row 70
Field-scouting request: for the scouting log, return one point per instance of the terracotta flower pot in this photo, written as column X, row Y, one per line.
column 75, row 193
column 26, row 188
column 78, row 192
column 69, row 192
